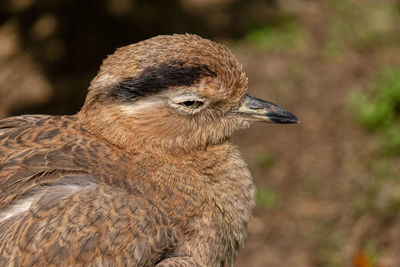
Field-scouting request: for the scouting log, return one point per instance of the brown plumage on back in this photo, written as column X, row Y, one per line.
column 144, row 174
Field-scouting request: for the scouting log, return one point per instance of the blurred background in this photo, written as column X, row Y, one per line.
column 329, row 188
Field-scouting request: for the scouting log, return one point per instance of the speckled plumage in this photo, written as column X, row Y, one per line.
column 129, row 180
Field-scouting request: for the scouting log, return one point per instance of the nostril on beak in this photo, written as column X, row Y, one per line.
column 256, row 108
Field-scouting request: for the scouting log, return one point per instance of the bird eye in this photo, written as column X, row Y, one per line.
column 192, row 104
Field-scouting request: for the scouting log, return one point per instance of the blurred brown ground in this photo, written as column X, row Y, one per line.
column 315, row 206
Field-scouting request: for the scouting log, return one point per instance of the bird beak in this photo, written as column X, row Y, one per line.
column 255, row 109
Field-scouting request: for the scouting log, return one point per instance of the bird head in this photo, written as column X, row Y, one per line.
column 173, row 92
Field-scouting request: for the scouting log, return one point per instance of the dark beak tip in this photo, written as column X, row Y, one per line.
column 293, row 122
column 284, row 121
column 284, row 118
column 295, row 119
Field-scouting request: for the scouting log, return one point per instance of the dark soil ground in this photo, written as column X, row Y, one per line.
column 327, row 195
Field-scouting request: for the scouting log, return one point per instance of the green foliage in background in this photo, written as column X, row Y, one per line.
column 285, row 34
column 267, row 198
column 265, row 161
column 363, row 26
column 380, row 112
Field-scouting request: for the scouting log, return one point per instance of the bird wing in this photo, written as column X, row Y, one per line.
column 64, row 199
column 30, row 155
column 90, row 226
column 13, row 123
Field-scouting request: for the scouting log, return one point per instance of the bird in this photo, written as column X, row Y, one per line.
column 145, row 174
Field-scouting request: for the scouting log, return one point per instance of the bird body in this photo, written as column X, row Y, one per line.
column 144, row 174
column 106, row 198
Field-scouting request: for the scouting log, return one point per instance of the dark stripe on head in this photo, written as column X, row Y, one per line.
column 156, row 79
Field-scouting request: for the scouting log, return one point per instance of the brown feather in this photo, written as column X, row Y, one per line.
column 105, row 188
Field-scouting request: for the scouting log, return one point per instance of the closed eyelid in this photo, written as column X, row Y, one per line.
column 184, row 98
